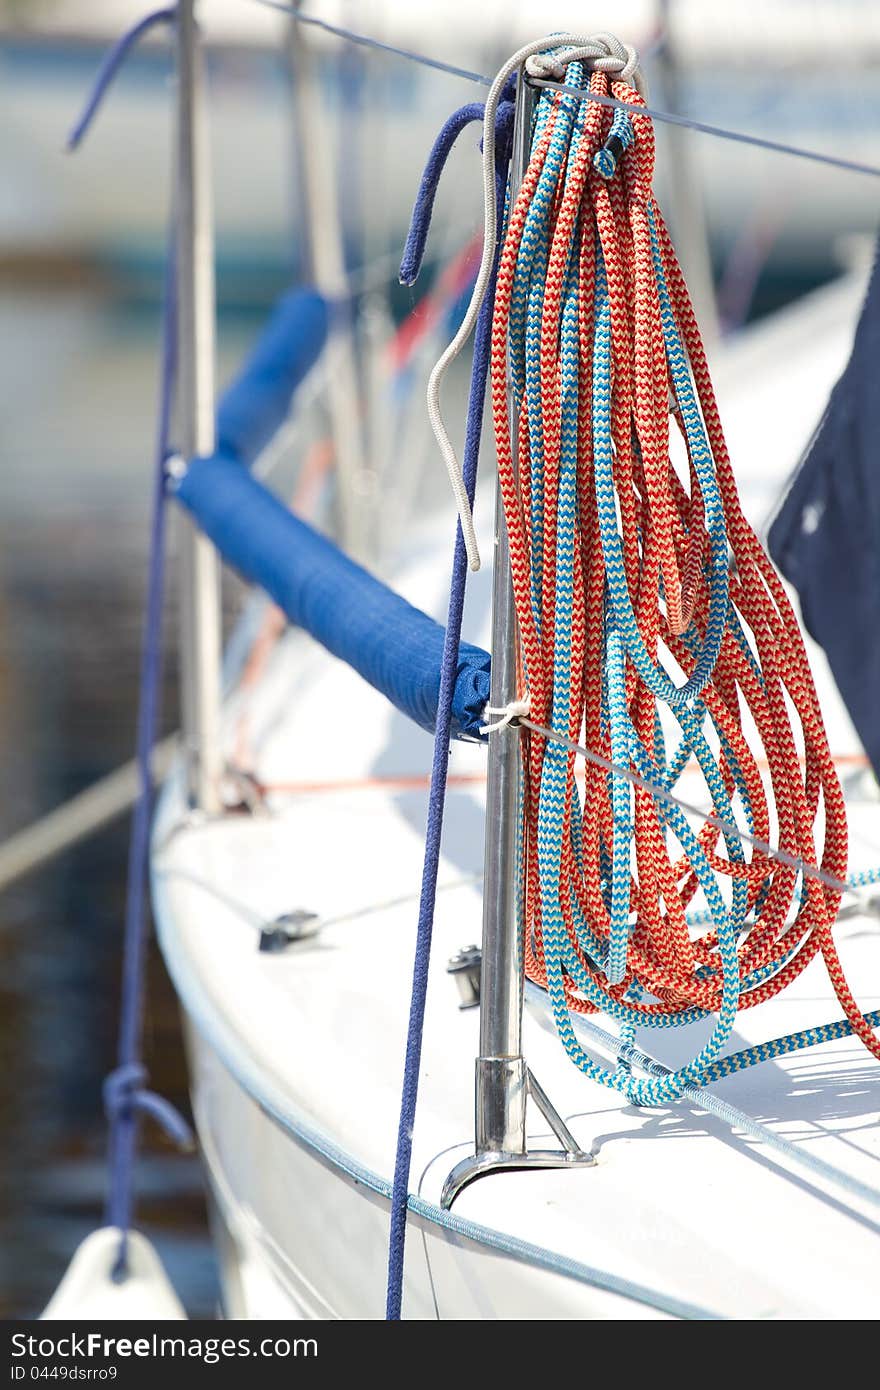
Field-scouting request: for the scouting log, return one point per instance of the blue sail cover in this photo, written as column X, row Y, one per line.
column 394, row 646
column 826, row 536
column 255, row 406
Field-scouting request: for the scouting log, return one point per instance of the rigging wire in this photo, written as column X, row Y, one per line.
column 726, row 827
column 667, row 117
column 740, row 137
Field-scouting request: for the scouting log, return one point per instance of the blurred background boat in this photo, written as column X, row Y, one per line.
column 754, row 67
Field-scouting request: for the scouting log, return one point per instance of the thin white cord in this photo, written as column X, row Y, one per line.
column 598, row 49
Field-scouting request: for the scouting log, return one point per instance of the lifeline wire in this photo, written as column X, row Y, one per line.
column 617, row 102
column 661, row 793
column 740, row 137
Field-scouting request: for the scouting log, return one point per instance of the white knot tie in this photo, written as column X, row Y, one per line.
column 515, row 709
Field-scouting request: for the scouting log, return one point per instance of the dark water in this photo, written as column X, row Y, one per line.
column 77, row 400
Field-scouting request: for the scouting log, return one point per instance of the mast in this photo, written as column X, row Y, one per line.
column 325, row 265
column 200, row 614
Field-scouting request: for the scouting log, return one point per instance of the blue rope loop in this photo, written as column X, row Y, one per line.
column 126, row 1095
column 423, row 208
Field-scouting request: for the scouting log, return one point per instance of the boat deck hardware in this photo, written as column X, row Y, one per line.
column 465, row 966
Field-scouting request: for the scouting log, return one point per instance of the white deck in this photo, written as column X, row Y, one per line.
column 677, row 1203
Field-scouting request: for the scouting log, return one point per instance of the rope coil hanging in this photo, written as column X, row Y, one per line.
column 650, row 619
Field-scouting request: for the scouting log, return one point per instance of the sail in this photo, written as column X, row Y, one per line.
column 826, row 537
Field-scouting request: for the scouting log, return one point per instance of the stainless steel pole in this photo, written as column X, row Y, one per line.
column 501, row 1084
column 200, row 619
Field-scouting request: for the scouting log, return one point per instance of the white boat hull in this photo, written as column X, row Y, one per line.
column 297, row 1056
column 298, row 1235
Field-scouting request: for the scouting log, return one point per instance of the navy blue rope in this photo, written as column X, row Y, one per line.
column 125, row 1088
column 125, row 1094
column 439, row 769
column 113, row 60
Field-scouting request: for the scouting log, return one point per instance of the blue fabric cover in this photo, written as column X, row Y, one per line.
column 255, row 406
column 826, row 536
column 394, row 646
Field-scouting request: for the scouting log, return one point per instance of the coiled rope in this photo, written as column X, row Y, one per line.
column 650, row 621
